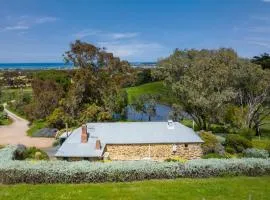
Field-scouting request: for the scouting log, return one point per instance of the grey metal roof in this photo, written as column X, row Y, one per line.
column 125, row 133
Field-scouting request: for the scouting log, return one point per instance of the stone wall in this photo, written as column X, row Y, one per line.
column 154, row 151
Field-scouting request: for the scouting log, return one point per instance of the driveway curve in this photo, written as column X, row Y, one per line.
column 16, row 133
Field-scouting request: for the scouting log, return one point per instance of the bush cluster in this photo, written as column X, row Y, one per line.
column 256, row 153
column 210, row 142
column 31, row 153
column 14, row 171
column 236, row 143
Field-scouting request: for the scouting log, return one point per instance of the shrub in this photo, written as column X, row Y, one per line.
column 237, row 142
column 255, row 153
column 268, row 148
column 1, row 108
column 230, row 150
column 19, row 153
column 213, row 155
column 220, row 139
column 14, row 171
column 210, row 142
column 247, row 133
column 261, row 144
column 35, row 153
column 176, row 159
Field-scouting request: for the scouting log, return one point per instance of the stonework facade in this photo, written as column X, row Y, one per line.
column 153, row 151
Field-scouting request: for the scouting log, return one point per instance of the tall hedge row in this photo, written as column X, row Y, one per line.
column 14, row 171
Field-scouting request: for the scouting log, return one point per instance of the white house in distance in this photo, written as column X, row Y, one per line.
column 131, row 141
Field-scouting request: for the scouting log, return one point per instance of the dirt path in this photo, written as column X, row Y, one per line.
column 16, row 134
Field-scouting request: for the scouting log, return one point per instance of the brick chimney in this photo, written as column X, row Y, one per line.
column 84, row 135
column 98, row 145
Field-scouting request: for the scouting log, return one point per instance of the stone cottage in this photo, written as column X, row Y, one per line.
column 131, row 141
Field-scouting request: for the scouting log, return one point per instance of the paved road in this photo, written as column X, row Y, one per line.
column 15, row 133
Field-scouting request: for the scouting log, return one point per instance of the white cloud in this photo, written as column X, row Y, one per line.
column 42, row 20
column 25, row 22
column 16, row 27
column 125, row 50
column 123, row 35
column 86, row 33
column 105, row 35
column 266, row 1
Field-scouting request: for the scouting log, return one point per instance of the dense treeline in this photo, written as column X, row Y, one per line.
column 217, row 86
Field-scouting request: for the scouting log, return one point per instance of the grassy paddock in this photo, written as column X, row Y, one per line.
column 212, row 188
column 150, row 88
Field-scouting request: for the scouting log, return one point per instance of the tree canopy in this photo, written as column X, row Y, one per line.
column 206, row 81
column 263, row 60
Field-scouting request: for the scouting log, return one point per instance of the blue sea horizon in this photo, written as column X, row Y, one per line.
column 34, row 66
column 56, row 65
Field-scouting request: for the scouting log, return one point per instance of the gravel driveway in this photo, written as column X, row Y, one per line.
column 15, row 133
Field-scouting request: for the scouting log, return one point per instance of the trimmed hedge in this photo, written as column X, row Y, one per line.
column 14, row 171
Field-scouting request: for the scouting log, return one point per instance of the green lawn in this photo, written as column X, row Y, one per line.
column 151, row 88
column 212, row 188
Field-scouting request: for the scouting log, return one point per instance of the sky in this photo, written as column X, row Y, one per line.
column 141, row 30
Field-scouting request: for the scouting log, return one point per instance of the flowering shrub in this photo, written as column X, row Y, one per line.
column 256, row 153
column 14, row 171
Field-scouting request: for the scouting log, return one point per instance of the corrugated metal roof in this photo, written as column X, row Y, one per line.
column 125, row 133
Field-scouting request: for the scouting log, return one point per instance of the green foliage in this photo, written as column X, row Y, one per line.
column 59, row 118
column 4, row 119
column 34, row 153
column 261, row 144
column 83, row 171
column 143, row 76
column 146, row 104
column 117, row 103
column 235, row 116
column 263, row 60
column 1, row 108
column 104, row 116
column 230, row 150
column 154, row 88
column 61, row 77
column 210, row 142
column 255, row 153
column 203, row 88
column 247, row 133
column 213, row 155
column 237, row 142
column 175, row 159
column 35, row 126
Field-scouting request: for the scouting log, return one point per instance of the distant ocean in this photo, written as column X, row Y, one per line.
column 34, row 66
column 38, row 66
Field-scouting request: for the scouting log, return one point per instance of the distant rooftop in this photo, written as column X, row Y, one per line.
column 125, row 133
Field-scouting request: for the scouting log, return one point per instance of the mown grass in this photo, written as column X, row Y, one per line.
column 212, row 188
column 156, row 88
